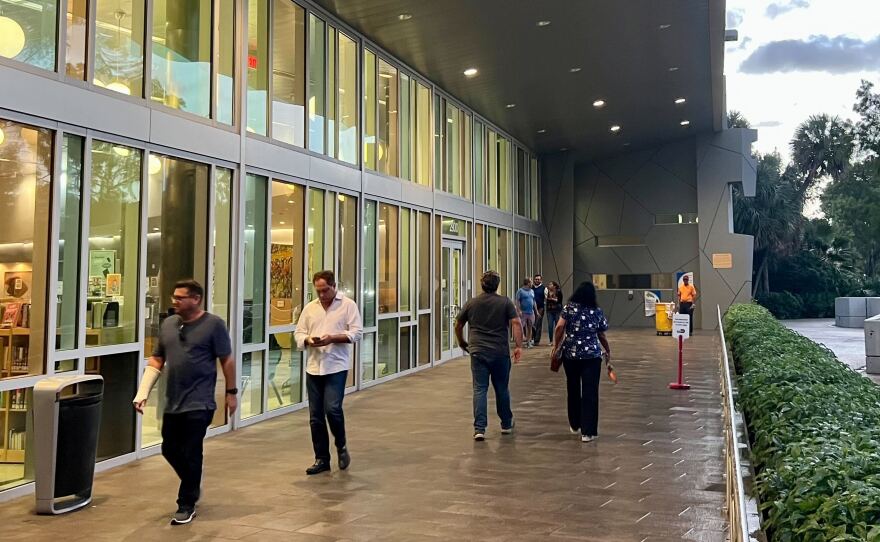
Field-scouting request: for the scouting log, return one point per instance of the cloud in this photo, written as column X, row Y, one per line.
column 777, row 9
column 839, row 54
column 734, row 18
column 768, row 124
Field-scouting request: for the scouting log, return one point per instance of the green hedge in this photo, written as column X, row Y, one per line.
column 815, row 431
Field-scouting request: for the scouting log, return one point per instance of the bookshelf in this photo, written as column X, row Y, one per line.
column 14, row 406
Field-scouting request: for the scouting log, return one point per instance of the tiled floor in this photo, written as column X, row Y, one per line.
column 655, row 473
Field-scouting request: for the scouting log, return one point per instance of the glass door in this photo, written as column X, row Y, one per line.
column 451, row 295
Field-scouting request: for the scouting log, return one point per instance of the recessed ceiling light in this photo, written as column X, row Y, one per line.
column 664, row 26
column 510, row 106
column 574, row 70
column 290, row 201
column 542, row 131
column 543, row 23
column 155, row 229
column 685, row 122
column 470, row 72
column 615, row 128
column 679, row 101
column 673, row 69
column 599, row 104
column 405, row 16
column 281, row 222
column 627, row 144
column 563, row 149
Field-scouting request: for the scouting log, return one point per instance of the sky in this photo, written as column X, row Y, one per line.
column 797, row 58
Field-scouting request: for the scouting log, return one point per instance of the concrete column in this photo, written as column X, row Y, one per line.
column 723, row 159
column 557, row 219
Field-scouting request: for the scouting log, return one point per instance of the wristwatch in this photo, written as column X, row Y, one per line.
column 232, row 391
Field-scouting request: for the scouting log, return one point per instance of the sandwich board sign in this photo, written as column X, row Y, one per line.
column 681, row 325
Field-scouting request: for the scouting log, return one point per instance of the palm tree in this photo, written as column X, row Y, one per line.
column 822, row 146
column 773, row 217
column 736, row 119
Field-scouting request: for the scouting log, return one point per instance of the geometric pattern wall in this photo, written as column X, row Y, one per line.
column 617, row 201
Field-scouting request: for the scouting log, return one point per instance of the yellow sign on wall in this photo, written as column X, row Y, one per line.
column 723, row 260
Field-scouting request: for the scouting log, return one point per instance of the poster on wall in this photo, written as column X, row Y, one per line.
column 281, row 271
column 651, row 299
column 679, row 282
column 102, row 263
column 17, row 284
column 114, row 284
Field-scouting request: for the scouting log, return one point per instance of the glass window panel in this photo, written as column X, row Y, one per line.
column 251, row 388
column 254, row 259
column 386, row 363
column 16, row 438
column 522, row 189
column 388, row 251
column 423, row 135
column 316, row 238
column 348, row 100
column 119, row 46
column 117, row 431
column 504, row 174
column 453, row 149
column 479, row 257
column 258, row 62
column 317, row 83
column 424, row 357
column 368, row 357
column 369, row 109
column 114, row 234
column 221, row 241
column 225, row 84
column 465, row 176
column 388, row 119
column 181, row 63
column 369, row 270
column 77, row 36
column 503, row 259
column 286, row 269
column 405, row 264
column 438, row 247
column 29, row 32
column 424, row 276
column 533, row 179
column 479, row 164
column 177, row 219
column 346, row 280
column 65, row 366
column 332, row 131
column 492, row 169
column 70, row 204
column 285, row 371
column 405, row 128
column 407, row 337
column 288, row 73
column 439, row 144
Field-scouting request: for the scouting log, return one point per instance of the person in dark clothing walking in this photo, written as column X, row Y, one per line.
column 490, row 316
column 552, row 308
column 540, row 291
column 579, row 333
column 190, row 343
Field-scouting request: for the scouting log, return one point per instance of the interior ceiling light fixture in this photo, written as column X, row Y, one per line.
column 542, row 131
column 598, row 104
column 673, row 69
column 12, row 37
column 685, row 123
column 664, row 26
column 510, row 106
column 405, row 16
column 471, row 72
column 615, row 128
column 575, row 69
column 679, row 101
column 543, row 23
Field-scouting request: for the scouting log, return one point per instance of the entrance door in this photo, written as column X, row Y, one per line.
column 452, row 266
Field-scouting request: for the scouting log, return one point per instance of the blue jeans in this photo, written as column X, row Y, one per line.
column 486, row 366
column 325, row 406
column 552, row 318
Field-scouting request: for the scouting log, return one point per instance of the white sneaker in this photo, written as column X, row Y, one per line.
column 479, row 436
column 588, row 438
column 574, row 431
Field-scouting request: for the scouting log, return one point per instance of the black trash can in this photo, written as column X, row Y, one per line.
column 67, row 418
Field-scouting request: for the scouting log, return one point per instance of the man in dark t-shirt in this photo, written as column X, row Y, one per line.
column 540, row 294
column 189, row 344
column 489, row 317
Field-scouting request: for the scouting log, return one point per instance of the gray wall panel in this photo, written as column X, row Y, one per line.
column 334, row 174
column 267, row 156
column 179, row 132
column 383, row 187
column 496, row 216
column 418, row 195
column 557, row 210
column 446, row 203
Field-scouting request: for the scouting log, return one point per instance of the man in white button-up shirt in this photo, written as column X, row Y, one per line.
column 328, row 326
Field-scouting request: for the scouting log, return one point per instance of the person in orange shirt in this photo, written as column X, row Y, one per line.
column 687, row 295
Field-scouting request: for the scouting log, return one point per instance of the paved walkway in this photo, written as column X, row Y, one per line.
column 655, row 473
column 848, row 344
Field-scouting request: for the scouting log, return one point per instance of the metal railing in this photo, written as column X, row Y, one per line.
column 743, row 513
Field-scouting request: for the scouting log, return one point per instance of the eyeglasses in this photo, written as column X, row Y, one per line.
column 180, row 297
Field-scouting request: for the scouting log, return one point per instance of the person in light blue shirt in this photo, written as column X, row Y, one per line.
column 525, row 308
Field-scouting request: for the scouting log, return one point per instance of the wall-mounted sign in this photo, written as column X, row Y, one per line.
column 453, row 226
column 722, row 260
column 651, row 299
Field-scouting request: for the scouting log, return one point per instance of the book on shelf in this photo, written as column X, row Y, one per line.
column 11, row 314
column 16, row 439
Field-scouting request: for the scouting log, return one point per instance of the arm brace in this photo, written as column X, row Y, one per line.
column 151, row 375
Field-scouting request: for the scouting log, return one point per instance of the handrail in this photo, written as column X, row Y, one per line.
column 742, row 509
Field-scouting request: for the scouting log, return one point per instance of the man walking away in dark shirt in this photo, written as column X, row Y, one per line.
column 490, row 317
column 540, row 292
column 190, row 343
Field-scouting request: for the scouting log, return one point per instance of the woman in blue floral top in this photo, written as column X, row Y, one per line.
column 580, row 333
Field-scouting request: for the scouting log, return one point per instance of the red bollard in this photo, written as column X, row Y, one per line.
column 679, row 385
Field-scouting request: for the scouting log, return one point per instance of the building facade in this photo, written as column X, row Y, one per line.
column 247, row 145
